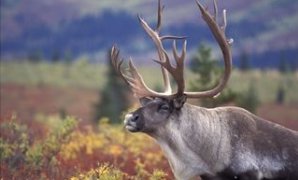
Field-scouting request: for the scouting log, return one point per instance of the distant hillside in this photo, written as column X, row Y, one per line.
column 266, row 30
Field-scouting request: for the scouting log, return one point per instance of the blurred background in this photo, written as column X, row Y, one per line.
column 55, row 64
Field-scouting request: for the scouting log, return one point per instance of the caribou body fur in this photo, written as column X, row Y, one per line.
column 223, row 143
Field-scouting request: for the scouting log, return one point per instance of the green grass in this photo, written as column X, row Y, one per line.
column 79, row 74
column 82, row 74
column 267, row 84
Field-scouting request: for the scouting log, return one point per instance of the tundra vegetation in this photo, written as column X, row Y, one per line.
column 62, row 149
column 32, row 147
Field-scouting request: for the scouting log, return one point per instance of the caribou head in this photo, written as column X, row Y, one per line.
column 219, row 143
column 158, row 106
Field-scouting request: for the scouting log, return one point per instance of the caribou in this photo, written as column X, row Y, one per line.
column 211, row 144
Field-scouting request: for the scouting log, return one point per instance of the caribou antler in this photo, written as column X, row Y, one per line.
column 224, row 44
column 157, row 39
column 136, row 81
column 178, row 71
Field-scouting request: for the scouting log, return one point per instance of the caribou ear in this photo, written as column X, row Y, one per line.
column 178, row 102
column 144, row 101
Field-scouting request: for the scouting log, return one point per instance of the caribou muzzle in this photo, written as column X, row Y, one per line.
column 133, row 122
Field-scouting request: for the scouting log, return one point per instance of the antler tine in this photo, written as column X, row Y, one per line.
column 173, row 37
column 219, row 34
column 215, row 10
column 154, row 35
column 179, row 60
column 138, row 86
column 159, row 16
column 116, row 62
column 224, row 15
column 135, row 81
column 178, row 71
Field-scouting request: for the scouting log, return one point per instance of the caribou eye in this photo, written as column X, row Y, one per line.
column 164, row 107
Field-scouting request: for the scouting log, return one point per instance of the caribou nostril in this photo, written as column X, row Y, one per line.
column 135, row 118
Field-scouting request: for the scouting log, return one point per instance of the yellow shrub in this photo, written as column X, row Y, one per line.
column 104, row 172
column 120, row 148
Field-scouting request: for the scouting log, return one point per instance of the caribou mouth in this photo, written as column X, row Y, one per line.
column 129, row 125
column 131, row 128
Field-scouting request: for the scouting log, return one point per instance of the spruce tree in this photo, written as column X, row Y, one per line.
column 208, row 72
column 280, row 95
column 244, row 62
column 113, row 99
column 249, row 100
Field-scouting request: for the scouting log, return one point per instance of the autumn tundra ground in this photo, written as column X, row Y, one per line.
column 30, row 101
column 47, row 132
